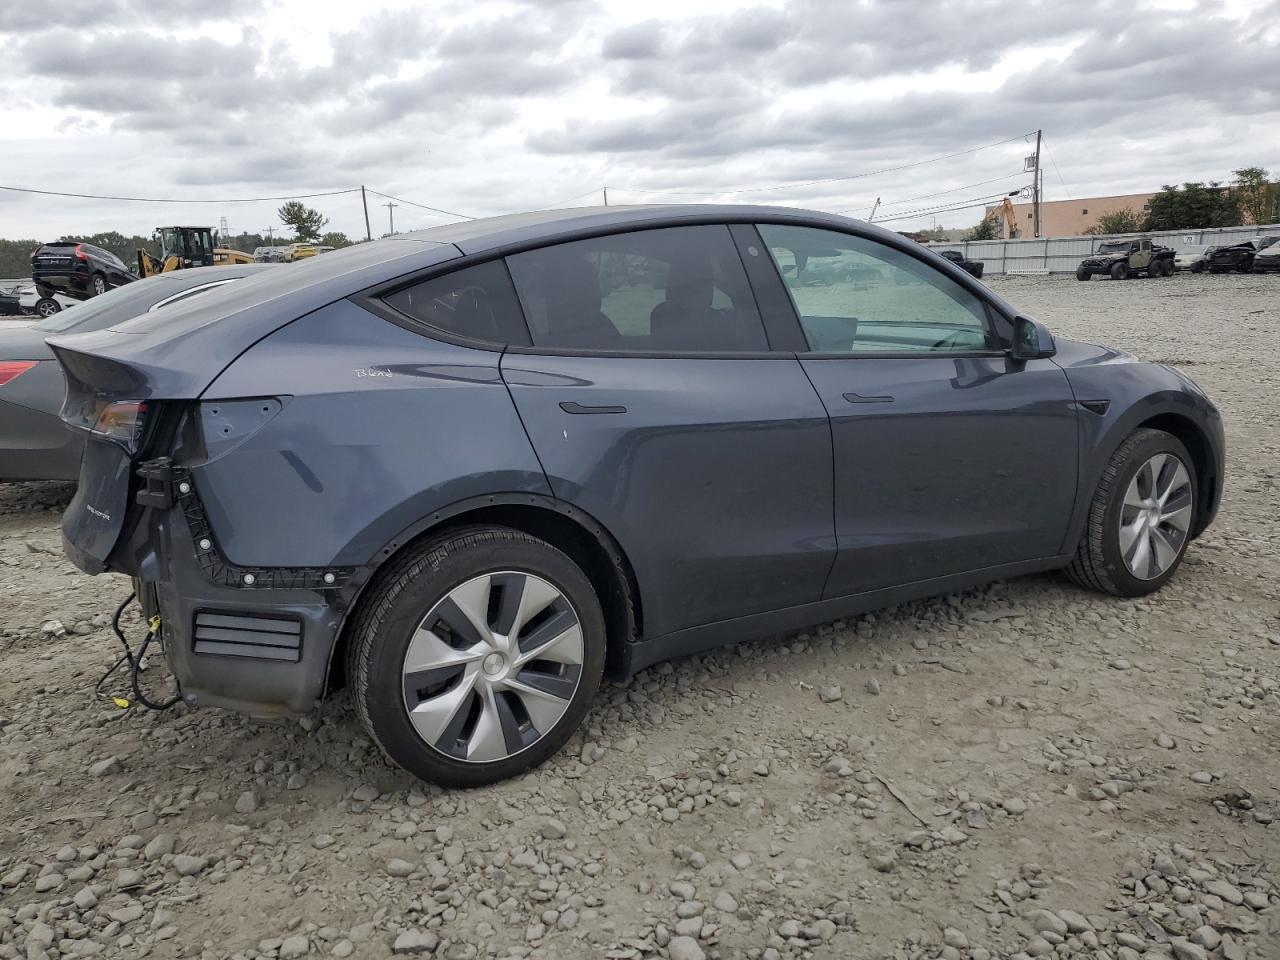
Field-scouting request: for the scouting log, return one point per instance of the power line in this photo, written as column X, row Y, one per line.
column 93, row 196
column 447, row 213
column 813, row 183
column 925, row 211
column 939, row 193
column 590, row 193
column 1065, row 189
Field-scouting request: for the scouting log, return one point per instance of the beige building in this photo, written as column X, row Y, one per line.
column 1069, row 218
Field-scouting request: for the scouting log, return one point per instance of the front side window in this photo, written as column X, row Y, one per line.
column 475, row 302
column 667, row 290
column 859, row 296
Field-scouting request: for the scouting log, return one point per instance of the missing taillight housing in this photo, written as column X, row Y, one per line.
column 12, row 369
column 122, row 420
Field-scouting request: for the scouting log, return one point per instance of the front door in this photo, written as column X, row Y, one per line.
column 949, row 455
column 656, row 406
column 1140, row 258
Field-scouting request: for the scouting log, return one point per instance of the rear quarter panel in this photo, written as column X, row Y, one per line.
column 379, row 427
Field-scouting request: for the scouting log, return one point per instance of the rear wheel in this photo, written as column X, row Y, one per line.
column 99, row 284
column 477, row 656
column 1141, row 517
column 1120, row 271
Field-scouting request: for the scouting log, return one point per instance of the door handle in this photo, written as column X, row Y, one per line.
column 859, row 398
column 571, row 406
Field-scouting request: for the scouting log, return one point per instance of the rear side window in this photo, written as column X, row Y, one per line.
column 475, row 302
column 670, row 290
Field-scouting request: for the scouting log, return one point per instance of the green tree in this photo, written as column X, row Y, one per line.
column 1118, row 221
column 15, row 258
column 1257, row 195
column 987, row 229
column 1192, row 206
column 335, row 239
column 306, row 222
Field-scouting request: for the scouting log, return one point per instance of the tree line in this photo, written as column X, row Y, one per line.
column 307, row 226
column 1251, row 197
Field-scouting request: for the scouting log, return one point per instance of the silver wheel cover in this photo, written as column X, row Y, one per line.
column 493, row 666
column 1155, row 518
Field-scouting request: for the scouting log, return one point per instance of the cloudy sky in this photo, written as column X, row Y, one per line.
column 490, row 106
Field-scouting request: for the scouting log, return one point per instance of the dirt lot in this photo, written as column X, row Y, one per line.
column 1023, row 770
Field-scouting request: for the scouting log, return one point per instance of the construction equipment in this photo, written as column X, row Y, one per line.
column 1005, row 212
column 182, row 247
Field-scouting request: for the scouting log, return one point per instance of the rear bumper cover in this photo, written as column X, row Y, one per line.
column 288, row 681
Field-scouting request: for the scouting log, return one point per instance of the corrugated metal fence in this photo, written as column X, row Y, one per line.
column 1063, row 254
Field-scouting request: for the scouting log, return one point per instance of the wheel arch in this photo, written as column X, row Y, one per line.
column 575, row 533
column 1194, row 438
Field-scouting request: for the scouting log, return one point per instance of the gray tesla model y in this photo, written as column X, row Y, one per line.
column 469, row 472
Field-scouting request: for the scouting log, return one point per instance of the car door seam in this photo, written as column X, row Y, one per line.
column 502, row 374
column 831, row 438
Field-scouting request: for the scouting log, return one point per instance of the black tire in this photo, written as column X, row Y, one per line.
column 1120, row 271
column 403, row 595
column 1169, row 268
column 47, row 307
column 1098, row 564
column 99, row 284
column 1198, row 267
column 1082, row 273
column 1246, row 266
column 977, row 271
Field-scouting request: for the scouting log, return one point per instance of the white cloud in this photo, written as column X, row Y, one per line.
column 499, row 105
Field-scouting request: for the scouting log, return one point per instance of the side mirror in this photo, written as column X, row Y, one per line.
column 1031, row 341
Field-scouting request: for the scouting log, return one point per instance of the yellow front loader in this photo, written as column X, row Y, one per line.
column 183, row 247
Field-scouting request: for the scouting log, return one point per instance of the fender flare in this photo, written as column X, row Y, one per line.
column 352, row 592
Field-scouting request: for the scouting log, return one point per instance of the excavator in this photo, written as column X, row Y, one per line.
column 182, row 247
column 1004, row 211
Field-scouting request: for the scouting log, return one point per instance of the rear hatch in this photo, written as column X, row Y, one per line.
column 53, row 258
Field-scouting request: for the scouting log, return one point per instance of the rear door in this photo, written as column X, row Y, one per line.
column 949, row 455
column 656, row 405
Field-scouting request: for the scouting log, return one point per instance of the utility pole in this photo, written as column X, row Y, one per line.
column 605, row 191
column 872, row 215
column 271, row 235
column 1035, row 189
column 391, row 214
column 364, row 200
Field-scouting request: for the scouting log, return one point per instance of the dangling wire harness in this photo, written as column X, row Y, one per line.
column 135, row 662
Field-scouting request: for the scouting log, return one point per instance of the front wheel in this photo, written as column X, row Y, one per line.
column 47, row 307
column 1140, row 519
column 1082, row 274
column 477, row 656
column 1120, row 271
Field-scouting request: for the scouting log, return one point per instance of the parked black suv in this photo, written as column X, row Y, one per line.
column 78, row 270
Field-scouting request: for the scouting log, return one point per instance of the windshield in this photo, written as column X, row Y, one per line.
column 1114, row 247
column 112, row 306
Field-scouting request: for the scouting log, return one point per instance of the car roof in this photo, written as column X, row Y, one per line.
column 495, row 234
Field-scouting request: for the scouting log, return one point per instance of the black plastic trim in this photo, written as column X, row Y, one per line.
column 225, row 573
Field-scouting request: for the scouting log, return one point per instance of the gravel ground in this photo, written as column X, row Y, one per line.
column 1022, row 770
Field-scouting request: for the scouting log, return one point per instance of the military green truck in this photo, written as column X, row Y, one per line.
column 1121, row 259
